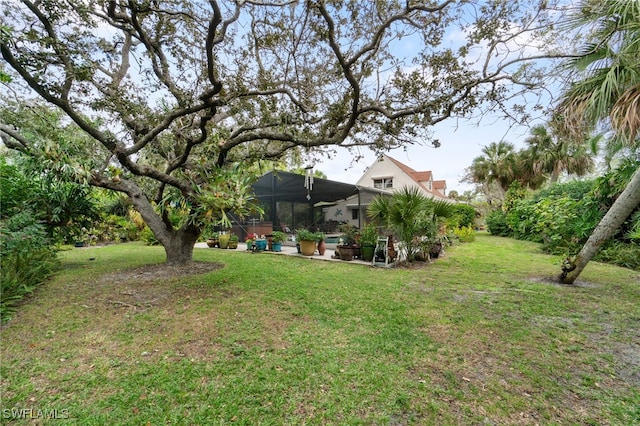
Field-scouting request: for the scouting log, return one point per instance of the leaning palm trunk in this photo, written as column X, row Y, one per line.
column 617, row 214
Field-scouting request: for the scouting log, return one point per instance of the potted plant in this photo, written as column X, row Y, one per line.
column 213, row 240
column 233, row 241
column 368, row 241
column 307, row 240
column 347, row 248
column 251, row 237
column 261, row 243
column 224, row 240
column 277, row 238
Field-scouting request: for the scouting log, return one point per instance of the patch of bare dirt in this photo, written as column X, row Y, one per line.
column 160, row 271
column 553, row 280
column 418, row 264
column 137, row 289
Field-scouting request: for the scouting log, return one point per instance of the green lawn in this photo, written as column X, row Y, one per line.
column 477, row 337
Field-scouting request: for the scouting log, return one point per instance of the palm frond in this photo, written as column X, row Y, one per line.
column 442, row 208
column 625, row 114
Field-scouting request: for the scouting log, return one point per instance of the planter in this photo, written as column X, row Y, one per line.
column 224, row 240
column 346, row 252
column 212, row 242
column 367, row 253
column 232, row 245
column 261, row 244
column 277, row 246
column 322, row 247
column 307, row 248
column 249, row 244
column 435, row 250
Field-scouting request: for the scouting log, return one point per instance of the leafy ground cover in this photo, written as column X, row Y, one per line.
column 481, row 336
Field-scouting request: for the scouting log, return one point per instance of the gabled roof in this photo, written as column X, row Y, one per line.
column 423, row 176
column 440, row 184
column 420, row 177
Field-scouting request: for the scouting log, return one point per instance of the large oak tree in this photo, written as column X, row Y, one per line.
column 179, row 95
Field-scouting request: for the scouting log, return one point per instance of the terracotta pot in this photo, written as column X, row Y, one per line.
column 322, row 247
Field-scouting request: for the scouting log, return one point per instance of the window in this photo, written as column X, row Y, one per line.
column 384, row 183
column 354, row 214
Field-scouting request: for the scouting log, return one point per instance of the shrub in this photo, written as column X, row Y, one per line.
column 621, row 254
column 633, row 234
column 465, row 234
column 521, row 219
column 576, row 190
column 561, row 222
column 27, row 259
column 147, row 236
column 464, row 215
column 115, row 228
column 497, row 223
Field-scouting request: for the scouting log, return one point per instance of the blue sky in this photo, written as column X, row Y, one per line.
column 461, row 140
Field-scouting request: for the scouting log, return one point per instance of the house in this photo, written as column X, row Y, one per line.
column 389, row 174
column 384, row 176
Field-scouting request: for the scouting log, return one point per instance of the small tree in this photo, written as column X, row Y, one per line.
column 410, row 215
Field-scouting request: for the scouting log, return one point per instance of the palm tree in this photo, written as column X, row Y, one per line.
column 549, row 155
column 606, row 92
column 411, row 215
column 496, row 169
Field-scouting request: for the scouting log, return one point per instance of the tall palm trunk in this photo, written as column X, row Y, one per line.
column 626, row 203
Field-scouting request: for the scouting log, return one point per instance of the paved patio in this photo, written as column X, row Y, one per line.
column 291, row 250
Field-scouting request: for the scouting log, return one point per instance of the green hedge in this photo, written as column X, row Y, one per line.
column 562, row 217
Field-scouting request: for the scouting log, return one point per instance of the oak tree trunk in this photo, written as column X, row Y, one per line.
column 179, row 246
column 178, row 243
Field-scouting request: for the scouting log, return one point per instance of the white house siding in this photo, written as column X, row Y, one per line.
column 383, row 168
column 342, row 212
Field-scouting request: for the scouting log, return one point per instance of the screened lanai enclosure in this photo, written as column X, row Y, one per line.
column 292, row 201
